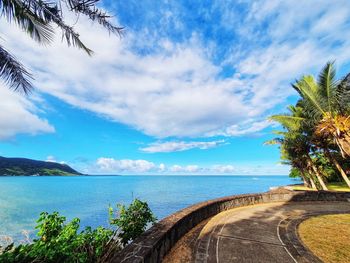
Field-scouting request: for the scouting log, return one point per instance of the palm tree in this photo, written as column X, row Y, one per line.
column 330, row 154
column 37, row 18
column 293, row 158
column 295, row 144
column 326, row 103
column 327, row 112
column 296, row 149
column 322, row 115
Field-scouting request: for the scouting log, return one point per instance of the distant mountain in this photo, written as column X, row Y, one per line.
column 23, row 166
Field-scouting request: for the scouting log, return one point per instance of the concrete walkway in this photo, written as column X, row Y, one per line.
column 252, row 234
column 261, row 233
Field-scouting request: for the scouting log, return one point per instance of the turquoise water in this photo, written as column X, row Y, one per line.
column 88, row 197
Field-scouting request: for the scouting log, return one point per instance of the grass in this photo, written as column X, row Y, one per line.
column 338, row 186
column 328, row 237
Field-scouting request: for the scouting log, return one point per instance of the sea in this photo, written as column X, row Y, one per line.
column 23, row 198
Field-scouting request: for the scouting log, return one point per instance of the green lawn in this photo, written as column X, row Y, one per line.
column 339, row 186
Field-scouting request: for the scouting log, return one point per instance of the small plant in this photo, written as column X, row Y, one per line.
column 133, row 220
column 61, row 241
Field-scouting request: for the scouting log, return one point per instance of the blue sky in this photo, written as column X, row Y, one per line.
column 187, row 90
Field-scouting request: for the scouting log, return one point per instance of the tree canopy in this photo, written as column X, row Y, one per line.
column 315, row 139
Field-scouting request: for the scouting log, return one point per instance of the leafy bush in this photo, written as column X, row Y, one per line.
column 132, row 220
column 59, row 241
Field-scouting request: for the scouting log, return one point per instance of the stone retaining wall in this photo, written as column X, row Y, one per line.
column 152, row 246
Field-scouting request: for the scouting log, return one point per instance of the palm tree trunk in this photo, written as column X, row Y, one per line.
column 305, row 181
column 319, row 178
column 314, row 182
column 317, row 173
column 313, row 185
column 344, row 145
column 340, row 169
column 308, row 182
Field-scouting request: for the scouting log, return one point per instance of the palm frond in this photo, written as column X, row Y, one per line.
column 287, row 121
column 53, row 15
column 36, row 18
column 30, row 20
column 88, row 8
column 72, row 38
column 308, row 89
column 342, row 95
column 308, row 111
column 280, row 133
column 327, row 84
column 285, row 162
column 274, row 141
column 13, row 73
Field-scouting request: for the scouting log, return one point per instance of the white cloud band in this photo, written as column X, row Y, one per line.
column 174, row 146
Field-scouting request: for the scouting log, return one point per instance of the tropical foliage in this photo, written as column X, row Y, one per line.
column 39, row 18
column 59, row 241
column 315, row 140
column 132, row 220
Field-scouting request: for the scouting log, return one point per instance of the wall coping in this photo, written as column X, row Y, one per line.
column 156, row 242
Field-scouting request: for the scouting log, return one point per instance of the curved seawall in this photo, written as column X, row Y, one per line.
column 155, row 243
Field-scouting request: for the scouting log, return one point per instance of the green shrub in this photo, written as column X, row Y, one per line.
column 133, row 220
column 59, row 241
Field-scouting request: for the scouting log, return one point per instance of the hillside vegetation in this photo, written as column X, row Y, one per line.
column 23, row 166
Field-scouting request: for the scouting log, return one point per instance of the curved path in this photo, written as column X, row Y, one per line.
column 259, row 233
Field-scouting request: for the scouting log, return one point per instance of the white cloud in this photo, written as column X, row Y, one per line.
column 279, row 41
column 222, row 169
column 51, row 158
column 177, row 90
column 111, row 165
column 189, row 169
column 247, row 127
column 105, row 165
column 127, row 166
column 162, row 167
column 169, row 93
column 176, row 168
column 132, row 89
column 192, row 168
column 175, row 146
column 18, row 115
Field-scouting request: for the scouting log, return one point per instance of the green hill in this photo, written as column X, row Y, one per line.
column 23, row 166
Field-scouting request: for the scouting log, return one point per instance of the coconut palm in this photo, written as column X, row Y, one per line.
column 297, row 161
column 326, row 104
column 329, row 150
column 297, row 123
column 295, row 145
column 295, row 149
column 37, row 18
column 323, row 114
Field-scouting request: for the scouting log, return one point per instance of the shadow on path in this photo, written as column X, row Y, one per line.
column 257, row 233
column 241, row 228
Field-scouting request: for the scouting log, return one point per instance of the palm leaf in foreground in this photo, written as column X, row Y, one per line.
column 13, row 72
column 36, row 18
column 32, row 21
column 51, row 14
column 88, row 8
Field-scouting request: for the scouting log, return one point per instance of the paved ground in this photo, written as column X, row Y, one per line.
column 261, row 233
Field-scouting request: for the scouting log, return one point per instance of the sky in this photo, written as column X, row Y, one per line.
column 187, row 89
